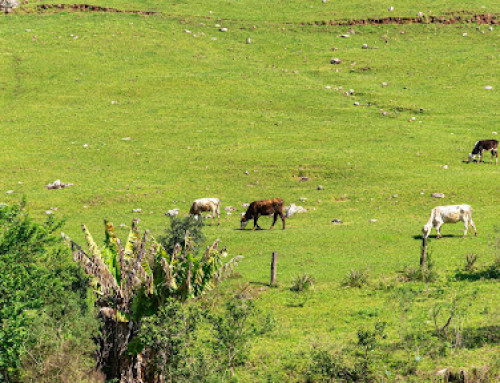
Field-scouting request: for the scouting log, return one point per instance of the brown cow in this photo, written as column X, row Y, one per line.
column 273, row 206
column 485, row 146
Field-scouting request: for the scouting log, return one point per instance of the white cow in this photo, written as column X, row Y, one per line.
column 206, row 204
column 449, row 214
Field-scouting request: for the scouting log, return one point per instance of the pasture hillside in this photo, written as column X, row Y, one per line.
column 200, row 107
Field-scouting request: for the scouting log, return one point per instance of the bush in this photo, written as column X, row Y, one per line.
column 302, row 282
column 470, row 262
column 44, row 310
column 356, row 278
column 176, row 233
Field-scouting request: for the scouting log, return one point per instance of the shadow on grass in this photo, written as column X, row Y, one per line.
column 419, row 236
column 478, row 275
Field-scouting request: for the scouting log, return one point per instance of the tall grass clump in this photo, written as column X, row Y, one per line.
column 302, row 282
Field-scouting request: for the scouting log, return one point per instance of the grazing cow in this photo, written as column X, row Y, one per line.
column 449, row 214
column 206, row 204
column 485, row 146
column 273, row 206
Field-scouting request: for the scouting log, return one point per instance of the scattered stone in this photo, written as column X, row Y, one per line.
column 136, row 210
column 421, row 109
column 126, row 138
column 351, row 31
column 187, row 31
column 488, row 87
column 57, row 184
column 356, row 103
column 320, row 187
column 490, row 28
column 122, row 225
column 464, row 34
column 9, row 192
column 229, row 208
column 337, row 221
column 385, row 113
column 328, row 87
column 442, row 372
column 336, row 61
column 114, row 102
column 494, row 132
column 85, row 146
column 304, row 178
column 292, row 209
column 323, row 1
column 395, row 196
column 228, row 213
column 437, row 195
column 28, row 30
column 249, row 40
column 390, row 9
column 302, row 199
column 344, row 36
column 364, row 46
column 49, row 212
column 247, row 172
column 384, row 84
column 373, row 220
column 213, row 38
column 223, row 30
column 351, row 92
column 172, row 212
column 420, row 14
column 245, row 204
column 445, row 167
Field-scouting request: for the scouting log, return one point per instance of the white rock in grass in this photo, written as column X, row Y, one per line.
column 292, row 209
column 172, row 213
column 356, row 103
column 245, row 204
column 122, row 225
column 136, row 210
column 364, row 46
column 229, row 208
column 420, row 14
column 217, row 25
column 85, row 146
column 344, row 36
column 390, row 9
column 445, row 167
column 114, row 102
column 494, row 132
column 437, row 195
column 223, row 30
column 9, row 192
column 320, row 187
column 373, row 220
column 249, row 40
column 187, row 31
column 384, row 84
column 49, row 212
column 488, row 87
column 464, row 34
column 302, row 199
column 126, row 138
column 337, row 221
column 490, row 28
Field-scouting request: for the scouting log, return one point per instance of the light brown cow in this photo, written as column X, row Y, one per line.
column 206, row 204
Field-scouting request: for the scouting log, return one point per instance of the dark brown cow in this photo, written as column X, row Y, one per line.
column 273, row 206
column 485, row 146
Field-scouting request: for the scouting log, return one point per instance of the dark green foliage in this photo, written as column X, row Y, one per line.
column 176, row 233
column 42, row 295
column 231, row 332
column 171, row 337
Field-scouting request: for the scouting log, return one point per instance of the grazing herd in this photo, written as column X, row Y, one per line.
column 274, row 206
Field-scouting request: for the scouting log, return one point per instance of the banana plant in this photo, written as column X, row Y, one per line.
column 135, row 279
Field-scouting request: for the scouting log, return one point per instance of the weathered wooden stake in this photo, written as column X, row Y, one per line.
column 423, row 257
column 274, row 264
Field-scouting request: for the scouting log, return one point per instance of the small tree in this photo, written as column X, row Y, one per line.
column 134, row 281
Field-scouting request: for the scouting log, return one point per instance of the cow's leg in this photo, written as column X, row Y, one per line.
column 473, row 226
column 255, row 224
column 275, row 217
column 282, row 219
column 466, row 226
column 480, row 156
column 438, row 231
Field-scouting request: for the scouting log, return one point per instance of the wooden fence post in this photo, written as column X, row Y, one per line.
column 423, row 257
column 274, row 264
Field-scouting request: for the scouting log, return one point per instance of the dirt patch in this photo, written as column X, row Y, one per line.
column 460, row 18
column 91, row 8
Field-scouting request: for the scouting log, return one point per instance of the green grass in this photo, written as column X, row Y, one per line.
column 201, row 112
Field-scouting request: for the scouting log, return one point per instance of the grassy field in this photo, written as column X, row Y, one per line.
column 201, row 108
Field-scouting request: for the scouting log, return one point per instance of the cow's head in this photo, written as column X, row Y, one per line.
column 243, row 221
column 426, row 230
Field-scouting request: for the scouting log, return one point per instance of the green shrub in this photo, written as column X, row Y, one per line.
column 176, row 233
column 356, row 278
column 44, row 309
column 303, row 282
